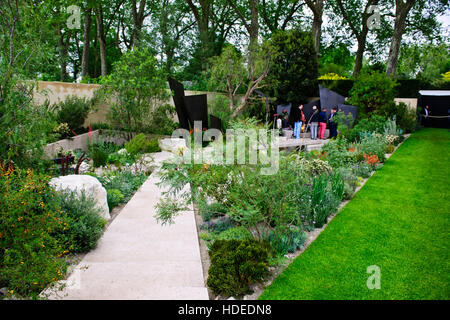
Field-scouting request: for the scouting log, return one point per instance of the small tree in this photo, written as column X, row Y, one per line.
column 294, row 71
column 373, row 92
column 135, row 87
column 229, row 72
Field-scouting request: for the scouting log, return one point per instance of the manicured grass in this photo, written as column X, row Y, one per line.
column 398, row 221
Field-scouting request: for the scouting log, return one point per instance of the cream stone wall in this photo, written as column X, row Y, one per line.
column 58, row 91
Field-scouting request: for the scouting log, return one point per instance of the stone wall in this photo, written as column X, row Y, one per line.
column 82, row 141
column 58, row 91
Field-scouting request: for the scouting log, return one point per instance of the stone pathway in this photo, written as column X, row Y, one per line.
column 137, row 258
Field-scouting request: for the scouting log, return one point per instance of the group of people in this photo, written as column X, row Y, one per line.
column 317, row 121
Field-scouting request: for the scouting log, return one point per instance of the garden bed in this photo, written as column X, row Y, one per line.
column 311, row 236
column 256, row 223
column 386, row 226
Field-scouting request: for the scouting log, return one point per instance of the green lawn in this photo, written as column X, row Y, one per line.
column 398, row 221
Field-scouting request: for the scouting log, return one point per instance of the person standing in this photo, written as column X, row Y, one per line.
column 298, row 124
column 333, row 123
column 322, row 123
column 284, row 119
column 423, row 116
column 314, row 123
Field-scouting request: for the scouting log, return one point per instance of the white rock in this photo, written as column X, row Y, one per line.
column 84, row 167
column 172, row 144
column 90, row 185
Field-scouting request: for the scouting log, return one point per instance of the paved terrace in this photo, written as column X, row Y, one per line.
column 137, row 258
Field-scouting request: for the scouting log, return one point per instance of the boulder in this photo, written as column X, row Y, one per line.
column 173, row 145
column 90, row 185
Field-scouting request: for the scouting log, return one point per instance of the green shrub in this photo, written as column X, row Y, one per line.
column 405, row 117
column 28, row 216
column 390, row 148
column 286, row 240
column 211, row 211
column 84, row 226
column 142, row 144
column 99, row 152
column 99, row 157
column 348, row 191
column 219, row 107
column 373, row 92
column 25, row 128
column 73, row 111
column 236, row 233
column 373, row 144
column 235, row 264
column 137, row 85
column 369, row 125
column 114, row 197
column 162, row 120
column 220, row 225
column 338, row 154
column 362, row 170
column 125, row 181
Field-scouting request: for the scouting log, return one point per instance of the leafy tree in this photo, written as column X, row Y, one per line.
column 293, row 76
column 356, row 17
column 413, row 17
column 336, row 59
column 279, row 14
column 135, row 86
column 373, row 93
column 24, row 48
column 227, row 73
column 425, row 62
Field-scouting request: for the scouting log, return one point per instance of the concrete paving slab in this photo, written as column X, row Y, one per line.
column 137, row 258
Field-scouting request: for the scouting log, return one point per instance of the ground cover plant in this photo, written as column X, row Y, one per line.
column 394, row 223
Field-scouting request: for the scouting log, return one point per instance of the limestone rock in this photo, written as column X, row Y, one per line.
column 90, row 185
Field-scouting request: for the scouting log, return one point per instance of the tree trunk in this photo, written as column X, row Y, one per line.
column 359, row 56
column 202, row 15
column 253, row 32
column 317, row 9
column 402, row 11
column 317, row 33
column 63, row 44
column 86, row 43
column 138, row 21
column 101, row 41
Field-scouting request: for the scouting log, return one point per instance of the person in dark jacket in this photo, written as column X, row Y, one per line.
column 314, row 123
column 322, row 123
column 333, row 124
